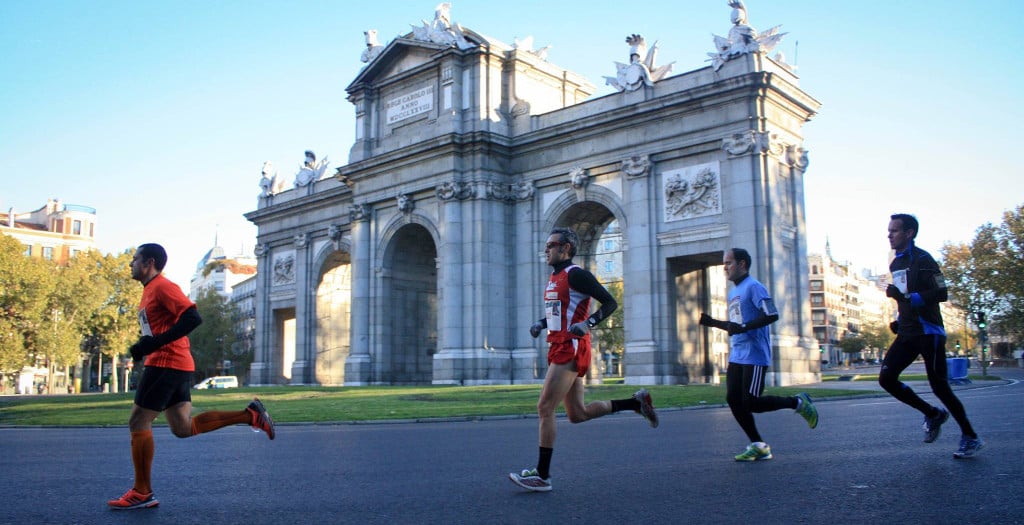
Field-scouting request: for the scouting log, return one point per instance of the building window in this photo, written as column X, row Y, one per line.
column 608, row 246
column 609, row 266
column 76, row 228
column 48, row 252
column 817, row 299
column 28, row 250
column 818, row 317
column 816, row 286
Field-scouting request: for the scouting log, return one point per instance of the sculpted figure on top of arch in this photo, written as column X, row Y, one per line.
column 638, row 72
column 441, row 30
column 743, row 39
column 270, row 183
column 373, row 47
column 311, row 171
column 526, row 44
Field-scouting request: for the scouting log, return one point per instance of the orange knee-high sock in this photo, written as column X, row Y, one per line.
column 142, row 458
column 214, row 419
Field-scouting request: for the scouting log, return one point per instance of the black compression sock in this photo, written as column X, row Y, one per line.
column 544, row 462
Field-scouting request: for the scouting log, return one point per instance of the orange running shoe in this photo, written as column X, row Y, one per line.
column 260, row 418
column 133, row 499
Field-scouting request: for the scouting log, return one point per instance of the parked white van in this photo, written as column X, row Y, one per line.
column 217, row 382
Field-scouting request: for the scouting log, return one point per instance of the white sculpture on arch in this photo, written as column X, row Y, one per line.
column 373, row 47
column 743, row 39
column 311, row 171
column 637, row 72
column 441, row 30
column 270, row 183
column 526, row 44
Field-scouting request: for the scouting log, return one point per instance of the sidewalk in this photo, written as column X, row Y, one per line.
column 867, row 378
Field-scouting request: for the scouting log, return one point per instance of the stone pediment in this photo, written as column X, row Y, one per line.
column 405, row 53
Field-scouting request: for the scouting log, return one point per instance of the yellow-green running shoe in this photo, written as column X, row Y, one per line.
column 805, row 407
column 755, row 452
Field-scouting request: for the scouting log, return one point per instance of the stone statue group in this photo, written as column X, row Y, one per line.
column 642, row 69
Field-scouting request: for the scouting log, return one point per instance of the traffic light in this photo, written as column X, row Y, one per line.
column 821, row 349
column 958, row 345
column 981, row 320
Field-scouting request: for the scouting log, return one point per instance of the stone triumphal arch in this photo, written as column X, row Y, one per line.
column 420, row 260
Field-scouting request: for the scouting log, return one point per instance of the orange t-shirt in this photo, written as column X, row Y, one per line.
column 162, row 304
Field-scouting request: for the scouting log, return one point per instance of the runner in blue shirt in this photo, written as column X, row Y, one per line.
column 751, row 310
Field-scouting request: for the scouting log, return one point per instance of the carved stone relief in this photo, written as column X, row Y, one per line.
column 453, row 189
column 497, row 191
column 522, row 190
column 284, row 269
column 335, row 233
column 579, row 180
column 359, row 212
column 692, row 192
column 636, row 166
column 405, row 203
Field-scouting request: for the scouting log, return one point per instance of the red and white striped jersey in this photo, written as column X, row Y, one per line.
column 564, row 306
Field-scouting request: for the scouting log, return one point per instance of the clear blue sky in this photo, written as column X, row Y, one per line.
column 160, row 114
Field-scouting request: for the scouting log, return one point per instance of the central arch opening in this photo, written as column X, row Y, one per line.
column 411, row 307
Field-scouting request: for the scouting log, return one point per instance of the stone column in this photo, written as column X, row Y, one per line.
column 302, row 368
column 358, row 366
column 261, row 370
column 640, row 271
column 448, row 359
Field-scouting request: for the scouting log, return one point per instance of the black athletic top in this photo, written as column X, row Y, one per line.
column 926, row 288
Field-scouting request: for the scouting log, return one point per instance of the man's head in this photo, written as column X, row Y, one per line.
column 561, row 245
column 737, row 264
column 902, row 230
column 149, row 260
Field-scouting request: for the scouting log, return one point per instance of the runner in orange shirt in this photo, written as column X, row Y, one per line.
column 166, row 317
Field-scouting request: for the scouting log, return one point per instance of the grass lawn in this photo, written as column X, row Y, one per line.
column 342, row 404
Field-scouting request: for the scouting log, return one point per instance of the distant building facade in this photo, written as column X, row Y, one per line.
column 57, row 231
column 243, row 297
column 844, row 301
column 218, row 272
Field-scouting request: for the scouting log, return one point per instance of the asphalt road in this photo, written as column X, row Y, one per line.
column 865, row 463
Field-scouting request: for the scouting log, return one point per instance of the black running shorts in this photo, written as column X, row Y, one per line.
column 163, row 387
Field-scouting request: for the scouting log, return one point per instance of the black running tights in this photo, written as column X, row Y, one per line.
column 744, row 385
column 932, row 348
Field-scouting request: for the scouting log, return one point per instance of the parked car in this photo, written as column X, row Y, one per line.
column 217, row 382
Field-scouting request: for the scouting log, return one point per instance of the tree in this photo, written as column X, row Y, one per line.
column 876, row 336
column 988, row 274
column 610, row 335
column 1006, row 276
column 852, row 343
column 77, row 292
column 212, row 341
column 113, row 325
column 25, row 283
